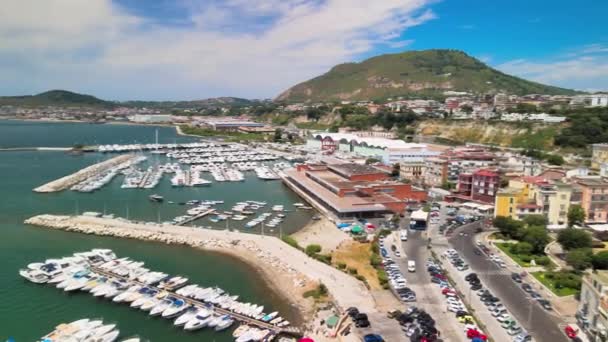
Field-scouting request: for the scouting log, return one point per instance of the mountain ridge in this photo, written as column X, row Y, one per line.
column 412, row 73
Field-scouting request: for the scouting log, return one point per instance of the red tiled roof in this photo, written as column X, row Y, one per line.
column 487, row 173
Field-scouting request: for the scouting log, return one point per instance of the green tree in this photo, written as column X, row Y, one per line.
column 600, row 260
column 571, row 238
column 278, row 134
column 522, row 248
column 509, row 227
column 580, row 259
column 576, row 215
column 535, row 220
column 555, row 159
column 370, row 161
column 538, row 237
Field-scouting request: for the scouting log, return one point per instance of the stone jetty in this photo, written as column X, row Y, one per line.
column 77, row 177
column 286, row 268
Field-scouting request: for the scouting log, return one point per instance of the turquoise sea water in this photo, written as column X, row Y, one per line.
column 28, row 311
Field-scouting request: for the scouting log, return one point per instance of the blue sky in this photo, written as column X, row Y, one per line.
column 189, row 49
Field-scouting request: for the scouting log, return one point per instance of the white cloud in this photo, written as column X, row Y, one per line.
column 234, row 47
column 587, row 68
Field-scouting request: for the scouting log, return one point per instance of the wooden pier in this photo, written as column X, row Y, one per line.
column 292, row 331
column 196, row 217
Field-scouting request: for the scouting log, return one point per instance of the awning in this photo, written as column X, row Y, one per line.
column 331, row 321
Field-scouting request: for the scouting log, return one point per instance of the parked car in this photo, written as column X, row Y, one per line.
column 526, row 287
column 373, row 338
column 516, row 277
column 545, row 304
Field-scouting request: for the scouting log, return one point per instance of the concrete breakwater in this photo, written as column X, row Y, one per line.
column 77, row 177
column 286, row 269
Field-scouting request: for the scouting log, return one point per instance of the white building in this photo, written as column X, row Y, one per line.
column 599, row 100
column 146, row 118
column 389, row 151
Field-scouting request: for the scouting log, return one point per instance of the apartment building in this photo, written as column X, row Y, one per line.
column 592, row 314
column 535, row 196
column 594, row 198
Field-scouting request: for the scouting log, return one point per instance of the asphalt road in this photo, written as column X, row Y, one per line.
column 539, row 323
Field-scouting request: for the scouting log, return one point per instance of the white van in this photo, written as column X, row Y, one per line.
column 403, row 235
column 411, row 266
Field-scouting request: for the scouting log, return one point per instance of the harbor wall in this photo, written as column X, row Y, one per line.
column 77, row 177
column 287, row 269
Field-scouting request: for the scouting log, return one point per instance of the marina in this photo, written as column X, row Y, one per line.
column 104, row 275
column 25, row 170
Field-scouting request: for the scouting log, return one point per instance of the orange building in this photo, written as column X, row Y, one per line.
column 594, row 199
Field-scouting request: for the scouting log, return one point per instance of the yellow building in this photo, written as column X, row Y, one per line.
column 599, row 155
column 534, row 196
column 506, row 201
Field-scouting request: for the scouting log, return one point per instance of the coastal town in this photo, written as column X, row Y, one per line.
column 304, row 171
column 505, row 237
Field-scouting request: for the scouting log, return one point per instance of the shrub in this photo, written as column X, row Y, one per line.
column 375, row 248
column 542, row 260
column 382, row 277
column 521, row 248
column 341, row 265
column 600, row 260
column 361, row 278
column 291, row 241
column 352, row 270
column 312, row 249
column 375, row 260
column 324, row 258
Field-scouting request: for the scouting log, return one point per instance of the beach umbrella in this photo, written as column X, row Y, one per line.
column 356, row 229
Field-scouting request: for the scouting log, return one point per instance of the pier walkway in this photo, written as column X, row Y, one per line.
column 293, row 331
column 196, row 217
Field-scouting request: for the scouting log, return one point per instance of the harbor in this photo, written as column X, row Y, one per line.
column 25, row 170
column 123, row 281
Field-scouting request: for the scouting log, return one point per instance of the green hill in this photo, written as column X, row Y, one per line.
column 60, row 98
column 411, row 73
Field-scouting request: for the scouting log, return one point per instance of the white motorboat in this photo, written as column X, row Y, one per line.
column 35, row 276
column 160, row 307
column 198, row 323
column 149, row 303
column 187, row 316
column 109, row 337
column 75, row 284
column 224, row 323
column 104, row 329
column 175, row 309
